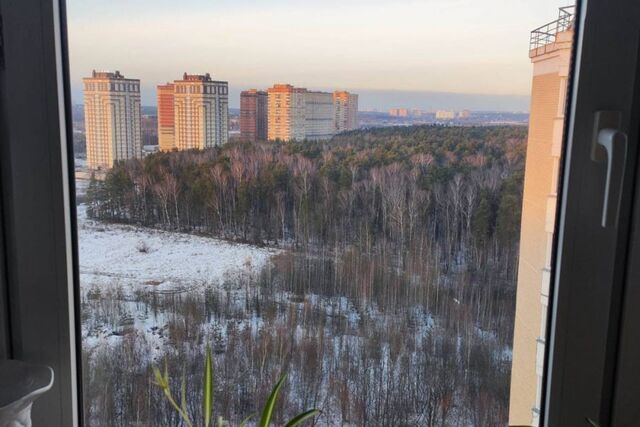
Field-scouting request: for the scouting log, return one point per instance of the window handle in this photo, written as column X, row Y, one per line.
column 615, row 143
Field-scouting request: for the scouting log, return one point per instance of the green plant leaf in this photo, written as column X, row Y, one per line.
column 207, row 394
column 158, row 376
column 267, row 412
column 162, row 381
column 183, row 390
column 298, row 419
column 245, row 421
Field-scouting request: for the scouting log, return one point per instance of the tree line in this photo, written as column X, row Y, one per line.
column 387, row 189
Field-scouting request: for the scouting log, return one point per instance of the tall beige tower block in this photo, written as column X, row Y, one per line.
column 286, row 112
column 346, row 111
column 112, row 119
column 550, row 54
column 201, row 112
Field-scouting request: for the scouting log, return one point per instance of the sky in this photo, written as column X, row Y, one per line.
column 397, row 53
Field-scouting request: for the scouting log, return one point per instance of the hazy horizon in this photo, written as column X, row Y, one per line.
column 381, row 100
column 428, row 54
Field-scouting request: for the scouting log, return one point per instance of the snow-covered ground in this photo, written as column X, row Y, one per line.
column 136, row 257
column 144, row 288
column 125, row 261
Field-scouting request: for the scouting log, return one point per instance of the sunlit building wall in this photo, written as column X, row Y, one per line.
column 112, row 119
column 550, row 54
column 345, row 106
column 286, row 112
column 166, row 119
column 464, row 114
column 399, row 112
column 445, row 115
column 201, row 112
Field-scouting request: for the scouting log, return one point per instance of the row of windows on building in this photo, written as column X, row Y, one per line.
column 113, row 87
column 206, row 89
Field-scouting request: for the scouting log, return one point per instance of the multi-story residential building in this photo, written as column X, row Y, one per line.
column 286, row 112
column 399, row 112
column 319, row 120
column 297, row 113
column 201, row 112
column 166, row 117
column 464, row 114
column 253, row 115
column 345, row 106
column 445, row 115
column 112, row 119
column 550, row 53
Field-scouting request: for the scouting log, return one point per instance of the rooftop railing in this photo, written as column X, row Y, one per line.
column 546, row 34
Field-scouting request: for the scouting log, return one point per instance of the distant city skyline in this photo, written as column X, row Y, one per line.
column 380, row 100
column 452, row 54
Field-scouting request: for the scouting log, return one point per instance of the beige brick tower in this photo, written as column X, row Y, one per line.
column 112, row 119
column 201, row 112
column 346, row 110
column 550, row 53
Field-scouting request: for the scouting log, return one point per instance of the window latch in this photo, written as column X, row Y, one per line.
column 610, row 144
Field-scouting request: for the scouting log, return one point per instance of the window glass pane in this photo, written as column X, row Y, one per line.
column 361, row 196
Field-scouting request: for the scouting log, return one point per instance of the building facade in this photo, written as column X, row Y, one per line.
column 319, row 120
column 253, row 115
column 201, row 112
column 112, row 119
column 399, row 112
column 464, row 114
column 297, row 113
column 550, row 54
column 286, row 113
column 166, row 119
column 445, row 115
column 345, row 106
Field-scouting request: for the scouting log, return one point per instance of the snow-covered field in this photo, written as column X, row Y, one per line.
column 125, row 262
column 132, row 256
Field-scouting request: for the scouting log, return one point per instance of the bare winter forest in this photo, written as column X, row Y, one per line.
column 388, row 296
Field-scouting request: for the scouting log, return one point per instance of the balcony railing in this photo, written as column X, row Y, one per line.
column 546, row 34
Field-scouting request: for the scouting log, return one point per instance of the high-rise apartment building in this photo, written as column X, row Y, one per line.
column 112, row 119
column 464, row 114
column 319, row 120
column 286, row 112
column 166, row 119
column 345, row 106
column 201, row 112
column 550, row 53
column 253, row 115
column 399, row 112
column 297, row 113
column 445, row 115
